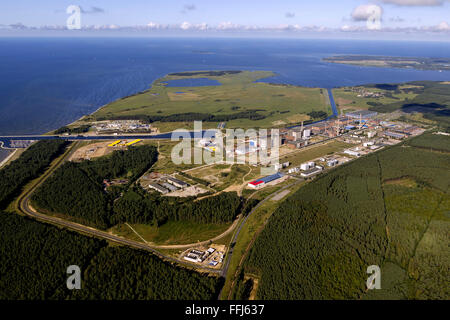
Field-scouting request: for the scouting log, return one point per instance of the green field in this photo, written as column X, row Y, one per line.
column 314, row 152
column 171, row 233
column 348, row 100
column 254, row 104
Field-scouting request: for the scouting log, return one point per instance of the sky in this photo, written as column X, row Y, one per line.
column 415, row 18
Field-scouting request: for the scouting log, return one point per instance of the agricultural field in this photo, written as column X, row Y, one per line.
column 238, row 100
column 390, row 208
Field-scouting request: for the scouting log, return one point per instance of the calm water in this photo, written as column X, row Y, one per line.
column 46, row 83
column 197, row 82
column 3, row 154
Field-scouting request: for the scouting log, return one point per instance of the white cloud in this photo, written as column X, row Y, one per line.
column 289, row 15
column 189, row 26
column 443, row 26
column 228, row 26
column 365, row 11
column 202, row 26
column 186, row 26
column 416, row 3
column 153, row 25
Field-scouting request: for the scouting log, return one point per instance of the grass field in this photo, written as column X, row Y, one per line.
column 172, row 232
column 348, row 100
column 237, row 93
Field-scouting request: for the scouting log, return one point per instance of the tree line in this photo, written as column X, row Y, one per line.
column 252, row 114
column 34, row 258
column 76, row 189
column 139, row 207
column 27, row 167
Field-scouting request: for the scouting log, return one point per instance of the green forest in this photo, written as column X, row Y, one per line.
column 76, row 189
column 251, row 114
column 29, row 166
column 34, row 258
column 390, row 208
column 137, row 206
column 431, row 142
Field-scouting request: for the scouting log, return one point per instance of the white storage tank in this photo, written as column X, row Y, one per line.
column 304, row 166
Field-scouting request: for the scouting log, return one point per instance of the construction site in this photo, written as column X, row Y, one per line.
column 100, row 149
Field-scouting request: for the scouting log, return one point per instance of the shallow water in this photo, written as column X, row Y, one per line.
column 49, row 82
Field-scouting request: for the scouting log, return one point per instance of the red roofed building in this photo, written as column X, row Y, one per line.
column 256, row 184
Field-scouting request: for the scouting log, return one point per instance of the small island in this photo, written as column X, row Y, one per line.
column 437, row 64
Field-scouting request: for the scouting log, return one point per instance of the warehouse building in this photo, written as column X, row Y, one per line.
column 297, row 144
column 394, row 135
column 169, row 186
column 177, row 183
column 352, row 152
column 263, row 181
column 158, row 188
column 311, row 172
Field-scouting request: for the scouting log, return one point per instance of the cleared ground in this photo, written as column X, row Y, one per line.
column 172, row 232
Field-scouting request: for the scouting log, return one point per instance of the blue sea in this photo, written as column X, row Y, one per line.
column 46, row 83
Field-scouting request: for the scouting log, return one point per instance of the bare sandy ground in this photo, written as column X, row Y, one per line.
column 99, row 149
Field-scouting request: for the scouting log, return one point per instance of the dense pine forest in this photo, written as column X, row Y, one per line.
column 390, row 208
column 431, row 142
column 29, row 165
column 136, row 206
column 76, row 191
column 34, row 258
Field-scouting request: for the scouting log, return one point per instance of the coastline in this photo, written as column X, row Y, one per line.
column 176, row 75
